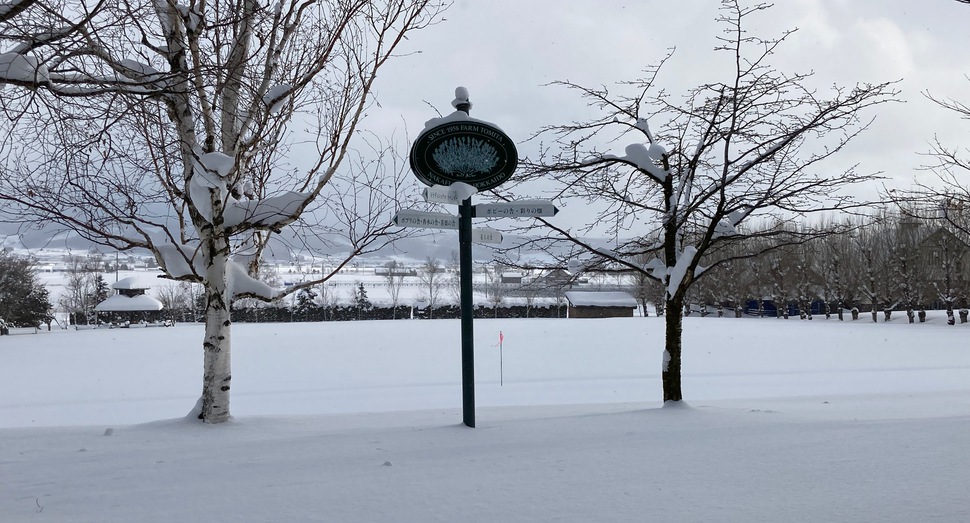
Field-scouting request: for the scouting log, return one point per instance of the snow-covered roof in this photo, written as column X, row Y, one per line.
column 120, row 303
column 600, row 299
column 129, row 283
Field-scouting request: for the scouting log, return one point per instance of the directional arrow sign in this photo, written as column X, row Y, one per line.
column 485, row 235
column 428, row 220
column 520, row 209
column 453, row 193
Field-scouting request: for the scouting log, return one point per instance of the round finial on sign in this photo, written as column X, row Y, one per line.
column 461, row 101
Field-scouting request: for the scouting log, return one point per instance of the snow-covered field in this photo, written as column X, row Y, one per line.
column 361, row 422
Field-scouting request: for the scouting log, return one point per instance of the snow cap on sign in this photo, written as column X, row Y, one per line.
column 461, row 98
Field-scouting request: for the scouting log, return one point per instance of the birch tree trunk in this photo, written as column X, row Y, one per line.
column 217, row 343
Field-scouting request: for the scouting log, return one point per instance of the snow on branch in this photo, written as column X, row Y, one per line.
column 728, row 226
column 679, row 271
column 23, row 69
column 12, row 8
column 656, row 268
column 277, row 98
column 241, row 284
column 269, row 213
column 209, row 173
column 643, row 158
column 644, row 126
column 179, row 261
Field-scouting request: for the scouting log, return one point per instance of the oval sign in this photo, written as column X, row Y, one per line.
column 469, row 151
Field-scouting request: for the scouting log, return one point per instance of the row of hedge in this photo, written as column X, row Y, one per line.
column 351, row 313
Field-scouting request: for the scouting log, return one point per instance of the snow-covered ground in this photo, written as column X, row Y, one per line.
column 361, row 421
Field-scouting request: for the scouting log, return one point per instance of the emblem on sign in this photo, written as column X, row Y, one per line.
column 464, row 150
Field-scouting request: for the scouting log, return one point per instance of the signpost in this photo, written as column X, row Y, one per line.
column 457, row 156
column 485, row 235
column 427, row 220
column 453, row 194
column 518, row 209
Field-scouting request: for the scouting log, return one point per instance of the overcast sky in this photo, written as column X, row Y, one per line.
column 505, row 50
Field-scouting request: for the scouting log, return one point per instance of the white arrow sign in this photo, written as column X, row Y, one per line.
column 453, row 193
column 428, row 220
column 485, row 235
column 524, row 208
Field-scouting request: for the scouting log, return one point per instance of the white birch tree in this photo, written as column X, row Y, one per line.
column 197, row 130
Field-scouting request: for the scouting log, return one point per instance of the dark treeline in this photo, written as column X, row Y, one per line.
column 895, row 263
column 280, row 314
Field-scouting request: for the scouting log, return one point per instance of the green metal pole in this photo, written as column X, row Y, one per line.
column 467, row 317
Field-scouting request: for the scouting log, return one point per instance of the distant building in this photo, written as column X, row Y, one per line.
column 130, row 303
column 592, row 304
column 557, row 278
column 395, row 271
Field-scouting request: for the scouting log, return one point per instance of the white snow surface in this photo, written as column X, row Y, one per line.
column 794, row 421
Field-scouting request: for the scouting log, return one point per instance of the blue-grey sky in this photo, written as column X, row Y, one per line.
column 504, row 50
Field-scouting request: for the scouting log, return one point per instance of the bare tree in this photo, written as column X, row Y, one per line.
column 701, row 170
column 172, row 127
column 645, row 290
column 328, row 299
column 838, row 266
column 946, row 256
column 430, row 275
column 78, row 297
column 949, row 201
column 174, row 299
column 950, row 164
column 454, row 277
column 394, row 281
column 782, row 275
column 908, row 266
column 875, row 244
column 496, row 288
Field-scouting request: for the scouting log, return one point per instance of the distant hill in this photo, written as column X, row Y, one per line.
column 441, row 245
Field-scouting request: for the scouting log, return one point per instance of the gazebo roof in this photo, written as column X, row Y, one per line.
column 600, row 299
column 121, row 303
column 130, row 283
